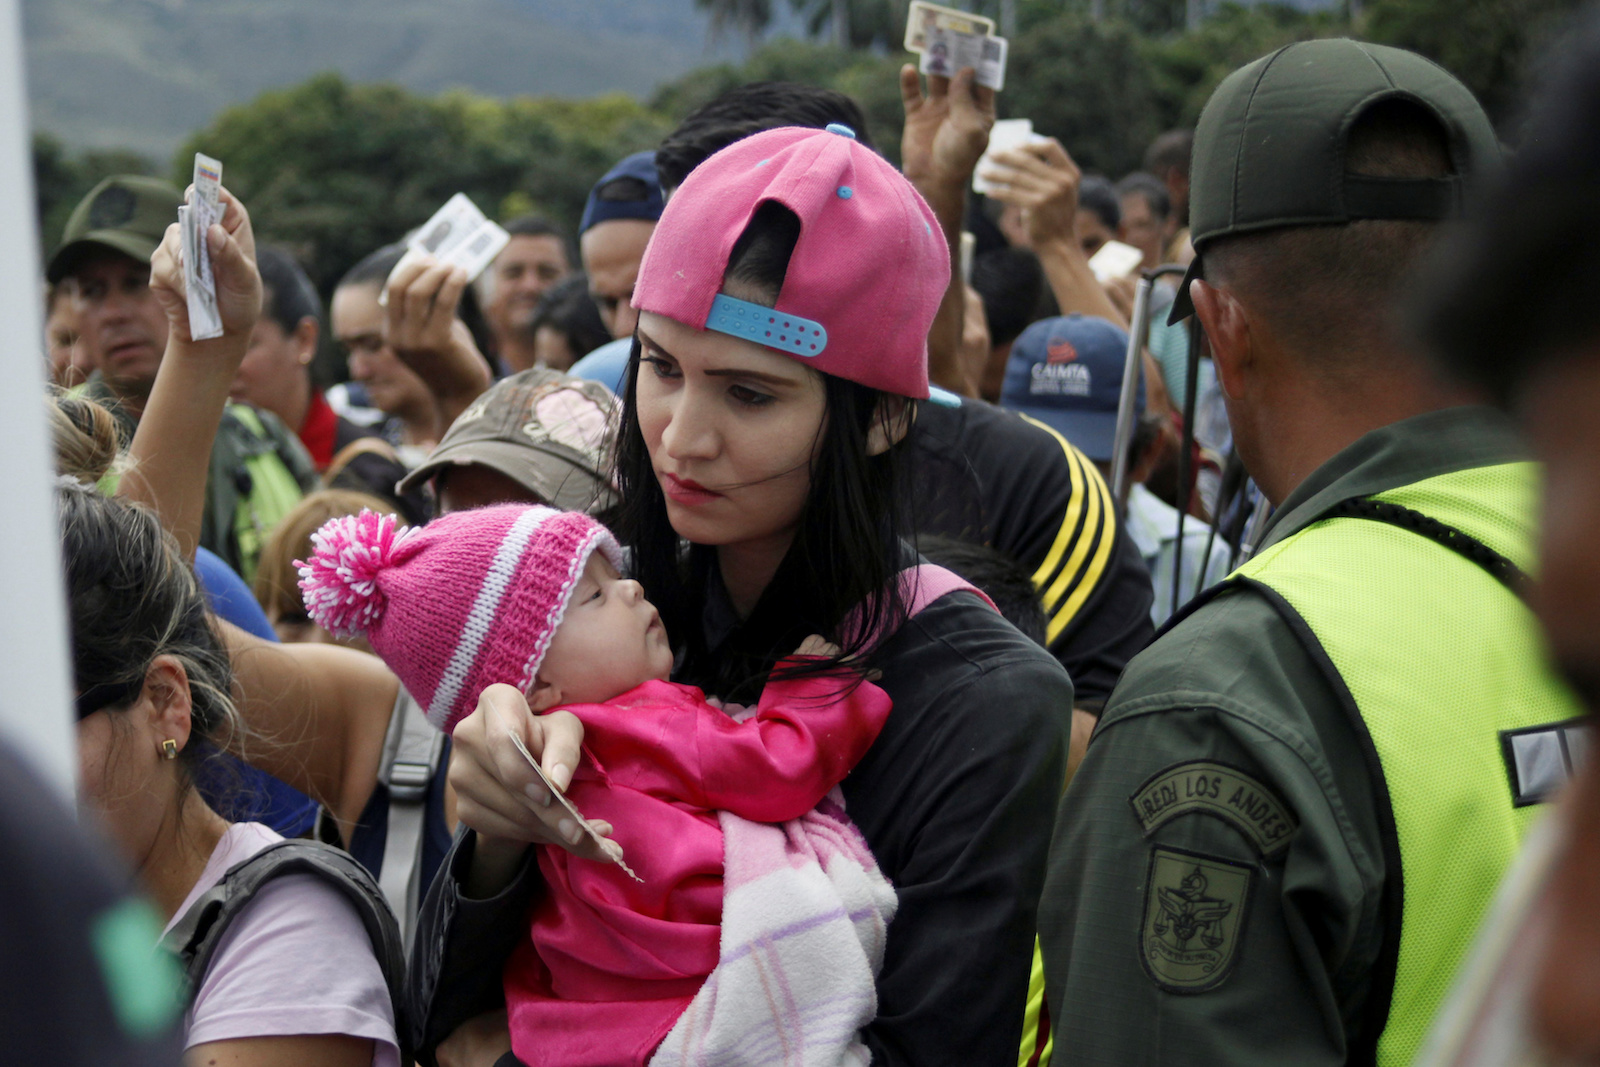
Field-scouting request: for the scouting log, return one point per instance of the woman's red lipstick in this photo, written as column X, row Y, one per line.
column 684, row 491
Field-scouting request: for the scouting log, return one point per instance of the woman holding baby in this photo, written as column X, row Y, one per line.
column 785, row 302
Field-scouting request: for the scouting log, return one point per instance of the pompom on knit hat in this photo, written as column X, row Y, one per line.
column 469, row 600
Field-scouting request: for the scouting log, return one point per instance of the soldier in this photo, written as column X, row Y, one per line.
column 1300, row 798
column 259, row 470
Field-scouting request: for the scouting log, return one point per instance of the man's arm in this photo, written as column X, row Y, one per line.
column 946, row 131
column 1042, row 179
column 423, row 330
column 316, row 717
column 1215, row 883
column 171, row 450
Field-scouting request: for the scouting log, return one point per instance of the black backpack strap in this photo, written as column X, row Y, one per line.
column 1458, row 541
column 194, row 938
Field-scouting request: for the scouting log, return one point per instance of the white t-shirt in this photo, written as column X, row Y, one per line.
column 296, row 961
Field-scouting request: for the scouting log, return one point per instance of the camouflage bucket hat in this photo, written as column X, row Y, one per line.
column 549, row 432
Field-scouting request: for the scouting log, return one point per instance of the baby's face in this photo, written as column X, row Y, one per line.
column 610, row 640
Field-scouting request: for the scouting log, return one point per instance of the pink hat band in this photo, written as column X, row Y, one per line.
column 868, row 270
column 453, row 607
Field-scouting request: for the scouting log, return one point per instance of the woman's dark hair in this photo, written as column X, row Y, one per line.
column 569, row 310
column 851, row 536
column 1009, row 280
column 131, row 598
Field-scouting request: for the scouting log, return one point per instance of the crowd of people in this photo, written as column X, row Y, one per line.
column 752, row 630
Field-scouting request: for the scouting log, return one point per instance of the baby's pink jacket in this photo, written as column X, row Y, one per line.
column 611, row 963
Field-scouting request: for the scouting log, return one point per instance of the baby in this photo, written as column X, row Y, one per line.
column 533, row 597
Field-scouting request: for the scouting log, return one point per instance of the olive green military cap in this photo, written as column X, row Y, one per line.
column 128, row 213
column 1269, row 149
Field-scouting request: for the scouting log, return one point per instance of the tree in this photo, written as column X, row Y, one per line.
column 1185, row 68
column 1489, row 44
column 61, row 179
column 1089, row 85
column 334, row 170
column 856, row 23
column 872, row 80
column 749, row 17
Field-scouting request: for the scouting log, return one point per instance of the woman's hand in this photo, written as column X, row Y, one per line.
column 478, row 1042
column 498, row 793
column 232, row 245
column 817, row 645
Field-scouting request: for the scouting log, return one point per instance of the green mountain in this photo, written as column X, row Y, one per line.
column 143, row 74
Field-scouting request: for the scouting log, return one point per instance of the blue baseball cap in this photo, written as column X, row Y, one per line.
column 1067, row 373
column 629, row 190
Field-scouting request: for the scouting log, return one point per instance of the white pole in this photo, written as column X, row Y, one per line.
column 34, row 688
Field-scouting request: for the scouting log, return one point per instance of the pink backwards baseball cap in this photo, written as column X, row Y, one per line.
column 868, row 270
column 453, row 607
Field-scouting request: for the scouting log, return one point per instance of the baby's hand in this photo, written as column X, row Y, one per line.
column 817, row 645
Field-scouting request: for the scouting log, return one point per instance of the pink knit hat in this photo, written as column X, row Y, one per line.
column 455, row 606
column 867, row 273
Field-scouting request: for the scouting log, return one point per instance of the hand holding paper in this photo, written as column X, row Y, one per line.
column 606, row 845
column 231, row 303
column 1042, row 179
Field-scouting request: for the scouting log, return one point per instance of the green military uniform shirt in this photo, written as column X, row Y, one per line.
column 258, row 471
column 1172, row 940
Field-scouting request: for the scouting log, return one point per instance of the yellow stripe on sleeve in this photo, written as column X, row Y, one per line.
column 1074, row 509
column 1030, row 1054
column 1097, row 566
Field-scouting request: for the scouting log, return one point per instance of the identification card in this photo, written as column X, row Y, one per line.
column 950, row 50
column 924, row 17
column 610, row 848
column 460, row 235
column 195, row 220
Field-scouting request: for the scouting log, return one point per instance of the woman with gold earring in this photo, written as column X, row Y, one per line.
column 294, row 979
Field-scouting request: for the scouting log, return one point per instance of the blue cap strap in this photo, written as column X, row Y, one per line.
column 765, row 326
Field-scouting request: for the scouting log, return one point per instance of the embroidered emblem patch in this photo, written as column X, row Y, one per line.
column 112, row 208
column 1194, row 911
column 1215, row 789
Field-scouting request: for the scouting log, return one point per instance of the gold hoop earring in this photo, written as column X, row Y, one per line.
column 169, row 748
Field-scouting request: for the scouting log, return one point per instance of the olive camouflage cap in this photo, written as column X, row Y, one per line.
column 1269, row 150
column 127, row 213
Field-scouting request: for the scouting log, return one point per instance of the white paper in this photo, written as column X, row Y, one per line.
column 1006, row 135
column 1114, row 260
column 195, row 220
